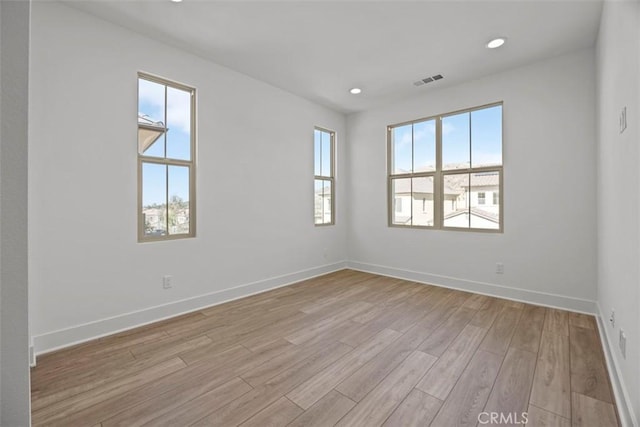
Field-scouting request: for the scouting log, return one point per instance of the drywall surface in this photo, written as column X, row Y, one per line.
column 88, row 273
column 618, row 66
column 14, row 326
column 548, row 247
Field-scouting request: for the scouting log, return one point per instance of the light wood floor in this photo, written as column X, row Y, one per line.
column 348, row 349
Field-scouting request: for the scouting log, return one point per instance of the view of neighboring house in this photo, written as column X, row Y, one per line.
column 322, row 204
column 155, row 220
column 474, row 204
column 155, row 215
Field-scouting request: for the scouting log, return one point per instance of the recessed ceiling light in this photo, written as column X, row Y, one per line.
column 497, row 42
column 355, row 90
column 176, row 1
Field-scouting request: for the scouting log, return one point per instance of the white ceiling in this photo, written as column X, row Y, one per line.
column 320, row 49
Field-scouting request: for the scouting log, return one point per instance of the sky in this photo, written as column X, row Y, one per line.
column 151, row 102
column 474, row 137
column 154, row 179
column 322, row 153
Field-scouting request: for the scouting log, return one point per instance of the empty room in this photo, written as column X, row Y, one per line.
column 319, row 213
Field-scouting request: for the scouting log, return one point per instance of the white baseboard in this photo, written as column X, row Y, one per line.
column 623, row 402
column 515, row 294
column 56, row 340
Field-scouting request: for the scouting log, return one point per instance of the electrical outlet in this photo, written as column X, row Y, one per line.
column 167, row 282
column 612, row 318
column 499, row 268
column 622, row 343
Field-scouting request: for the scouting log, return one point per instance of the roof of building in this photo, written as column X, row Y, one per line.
column 145, row 120
column 454, row 184
column 489, row 216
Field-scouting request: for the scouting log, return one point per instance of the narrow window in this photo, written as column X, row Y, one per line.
column 324, row 180
column 450, row 162
column 166, row 166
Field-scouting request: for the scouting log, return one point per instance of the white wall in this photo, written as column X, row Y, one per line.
column 82, row 169
column 618, row 65
column 253, row 139
column 549, row 242
column 14, row 332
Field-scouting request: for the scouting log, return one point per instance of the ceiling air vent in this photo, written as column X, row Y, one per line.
column 428, row 80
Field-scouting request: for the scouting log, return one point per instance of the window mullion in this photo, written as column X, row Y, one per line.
column 166, row 171
column 438, row 186
column 411, row 199
column 470, row 169
column 161, row 161
column 469, row 200
column 333, row 199
column 413, row 170
column 320, row 153
column 141, row 221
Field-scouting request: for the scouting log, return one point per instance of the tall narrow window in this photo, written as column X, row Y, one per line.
column 166, row 166
column 324, row 182
column 448, row 163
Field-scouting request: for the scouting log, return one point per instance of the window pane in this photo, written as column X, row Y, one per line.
column 422, row 201
column 178, row 200
column 178, row 124
column 151, row 129
column 323, row 192
column 326, row 201
column 401, row 146
column 456, row 200
column 456, row 142
column 318, row 193
column 401, row 196
column 154, row 199
column 486, row 137
column 424, row 146
column 483, row 214
column 326, row 154
column 317, row 152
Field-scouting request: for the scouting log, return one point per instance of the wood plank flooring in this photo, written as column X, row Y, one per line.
column 348, row 349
